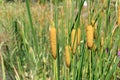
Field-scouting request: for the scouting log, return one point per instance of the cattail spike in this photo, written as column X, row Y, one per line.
column 67, row 55
column 53, row 41
column 78, row 36
column 73, row 41
column 90, row 36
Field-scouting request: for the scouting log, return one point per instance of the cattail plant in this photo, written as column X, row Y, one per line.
column 90, row 36
column 73, row 41
column 78, row 36
column 53, row 43
column 67, row 55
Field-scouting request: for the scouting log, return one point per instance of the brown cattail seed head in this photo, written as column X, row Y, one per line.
column 90, row 36
column 73, row 41
column 78, row 36
column 53, row 41
column 67, row 55
column 118, row 15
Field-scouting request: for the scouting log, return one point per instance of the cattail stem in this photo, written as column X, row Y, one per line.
column 67, row 74
column 58, row 56
column 44, row 73
column 55, row 66
column 74, row 63
column 3, row 66
column 90, row 59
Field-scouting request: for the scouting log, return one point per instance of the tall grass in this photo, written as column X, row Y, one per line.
column 26, row 51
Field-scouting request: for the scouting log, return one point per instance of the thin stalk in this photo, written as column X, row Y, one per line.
column 3, row 67
column 81, row 63
column 93, row 64
column 107, row 16
column 75, row 23
column 44, row 75
column 56, row 24
column 73, row 67
column 64, row 72
column 90, row 59
column 113, row 69
column 31, row 26
column 2, row 62
column 67, row 74
column 106, row 66
column 55, row 73
column 82, row 52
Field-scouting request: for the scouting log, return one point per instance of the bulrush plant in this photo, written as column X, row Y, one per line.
column 73, row 41
column 90, row 45
column 78, row 36
column 90, row 36
column 67, row 55
column 53, row 44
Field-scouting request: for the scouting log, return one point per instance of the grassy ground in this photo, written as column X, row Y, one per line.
column 25, row 49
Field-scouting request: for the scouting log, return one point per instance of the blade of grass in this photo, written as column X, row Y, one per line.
column 108, row 77
column 2, row 63
column 58, row 56
column 31, row 26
